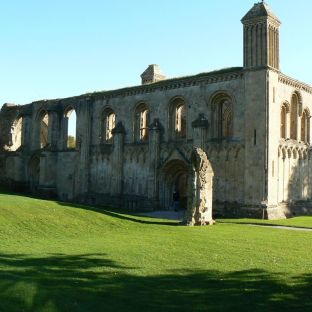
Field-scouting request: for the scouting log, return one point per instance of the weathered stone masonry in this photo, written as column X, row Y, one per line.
column 133, row 146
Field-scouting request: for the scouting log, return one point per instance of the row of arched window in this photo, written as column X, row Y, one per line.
column 221, row 127
column 69, row 126
column 295, row 121
column 222, row 120
column 141, row 122
column 43, row 120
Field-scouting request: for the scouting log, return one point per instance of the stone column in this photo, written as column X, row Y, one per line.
column 52, row 129
column 83, row 145
column 35, row 133
column 42, row 171
column 118, row 144
column 154, row 157
column 288, row 126
column 200, row 126
column 48, row 159
column 200, row 186
column 26, row 131
column 64, row 133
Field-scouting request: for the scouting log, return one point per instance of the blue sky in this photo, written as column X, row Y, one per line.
column 60, row 48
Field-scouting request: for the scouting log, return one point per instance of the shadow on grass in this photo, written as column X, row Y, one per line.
column 94, row 283
column 112, row 212
column 122, row 214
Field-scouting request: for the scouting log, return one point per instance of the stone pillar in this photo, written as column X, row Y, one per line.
column 35, row 133
column 200, row 190
column 154, row 157
column 118, row 143
column 42, row 171
column 200, row 126
column 64, row 133
column 26, row 131
column 288, row 126
column 83, row 144
column 52, row 129
column 299, row 120
column 19, row 170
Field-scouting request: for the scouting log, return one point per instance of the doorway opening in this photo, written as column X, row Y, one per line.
column 174, row 181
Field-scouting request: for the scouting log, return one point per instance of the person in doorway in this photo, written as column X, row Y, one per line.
column 176, row 200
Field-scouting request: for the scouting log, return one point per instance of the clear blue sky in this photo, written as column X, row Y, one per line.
column 60, row 48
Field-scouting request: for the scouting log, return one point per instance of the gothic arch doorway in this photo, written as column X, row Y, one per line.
column 34, row 173
column 174, row 177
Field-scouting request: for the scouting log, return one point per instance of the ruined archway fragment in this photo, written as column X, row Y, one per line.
column 199, row 206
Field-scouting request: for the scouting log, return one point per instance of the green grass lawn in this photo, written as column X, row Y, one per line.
column 302, row 222
column 59, row 257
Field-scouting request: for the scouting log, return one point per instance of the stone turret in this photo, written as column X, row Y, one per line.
column 152, row 74
column 261, row 37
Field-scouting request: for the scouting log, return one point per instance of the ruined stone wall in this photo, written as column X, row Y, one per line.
column 233, row 115
column 141, row 175
column 227, row 155
column 9, row 113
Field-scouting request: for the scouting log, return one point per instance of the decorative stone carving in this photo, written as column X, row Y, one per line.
column 200, row 122
column 200, row 126
column 119, row 128
column 199, row 205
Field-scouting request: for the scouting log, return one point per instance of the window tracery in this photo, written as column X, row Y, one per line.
column 284, row 121
column 15, row 136
column 109, row 122
column 294, row 117
column 305, row 126
column 71, row 128
column 178, row 119
column 44, row 126
column 222, row 116
column 141, row 123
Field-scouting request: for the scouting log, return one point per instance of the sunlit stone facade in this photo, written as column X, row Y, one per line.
column 132, row 146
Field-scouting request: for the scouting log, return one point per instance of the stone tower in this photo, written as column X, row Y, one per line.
column 261, row 37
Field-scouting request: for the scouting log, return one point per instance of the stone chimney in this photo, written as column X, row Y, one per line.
column 152, row 74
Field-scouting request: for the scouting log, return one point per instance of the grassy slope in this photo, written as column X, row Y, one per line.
column 55, row 257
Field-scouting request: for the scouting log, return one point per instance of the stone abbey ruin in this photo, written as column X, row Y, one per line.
column 133, row 146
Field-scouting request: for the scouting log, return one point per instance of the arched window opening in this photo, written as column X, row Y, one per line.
column 109, row 120
column 294, row 117
column 44, row 125
column 141, row 123
column 15, row 140
column 305, row 127
column 225, row 122
column 178, row 119
column 222, row 115
column 71, row 118
column 283, row 123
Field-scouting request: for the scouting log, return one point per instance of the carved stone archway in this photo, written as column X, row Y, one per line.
column 199, row 205
column 174, row 179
